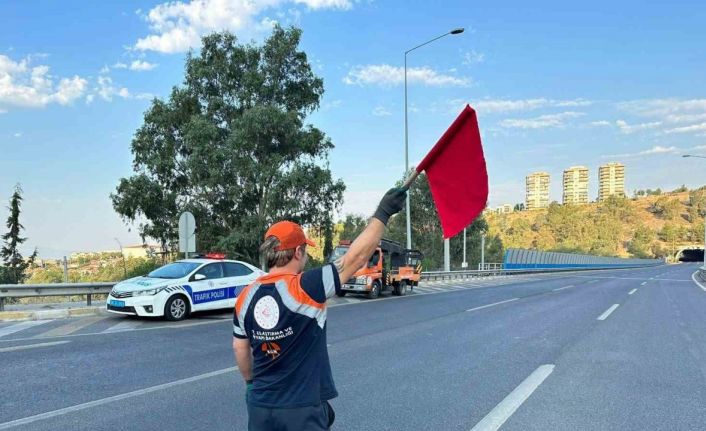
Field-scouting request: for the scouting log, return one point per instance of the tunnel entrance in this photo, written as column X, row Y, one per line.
column 691, row 255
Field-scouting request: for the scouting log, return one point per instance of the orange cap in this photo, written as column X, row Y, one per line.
column 289, row 234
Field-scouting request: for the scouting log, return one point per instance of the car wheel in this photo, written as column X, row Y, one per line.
column 176, row 308
column 375, row 290
column 341, row 293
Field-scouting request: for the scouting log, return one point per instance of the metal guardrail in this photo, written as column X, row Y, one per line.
column 486, row 266
column 56, row 289
column 89, row 289
column 454, row 275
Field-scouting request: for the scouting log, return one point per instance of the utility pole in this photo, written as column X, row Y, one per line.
column 482, row 251
column 464, row 265
column 447, row 260
column 123, row 256
column 66, row 270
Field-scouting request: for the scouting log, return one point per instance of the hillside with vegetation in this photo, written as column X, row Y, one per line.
column 649, row 225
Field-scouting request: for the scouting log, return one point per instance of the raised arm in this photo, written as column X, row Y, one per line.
column 364, row 245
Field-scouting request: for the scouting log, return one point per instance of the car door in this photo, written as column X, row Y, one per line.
column 211, row 290
column 238, row 276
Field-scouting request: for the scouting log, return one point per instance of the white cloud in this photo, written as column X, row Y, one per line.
column 654, row 150
column 120, row 65
column 18, row 135
column 140, row 65
column 24, row 85
column 509, row 105
column 689, row 129
column 106, row 90
column 601, row 123
column 543, row 121
column 492, row 106
column 144, row 96
column 332, row 104
column 668, row 110
column 326, row 4
column 571, row 103
column 658, row 150
column 627, row 128
column 472, row 57
column 380, row 111
column 104, row 70
column 177, row 25
column 385, row 75
column 2, row 111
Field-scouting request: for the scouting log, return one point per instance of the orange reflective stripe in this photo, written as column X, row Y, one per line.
column 294, row 288
column 300, row 295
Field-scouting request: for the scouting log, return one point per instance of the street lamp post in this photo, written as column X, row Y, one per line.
column 406, row 141
column 123, row 256
column 700, row 157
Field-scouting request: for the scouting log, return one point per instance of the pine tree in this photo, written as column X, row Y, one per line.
column 15, row 265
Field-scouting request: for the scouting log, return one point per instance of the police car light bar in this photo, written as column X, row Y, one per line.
column 216, row 255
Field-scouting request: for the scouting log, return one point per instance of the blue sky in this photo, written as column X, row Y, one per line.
column 555, row 84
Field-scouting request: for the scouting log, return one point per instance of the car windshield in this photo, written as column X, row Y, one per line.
column 174, row 270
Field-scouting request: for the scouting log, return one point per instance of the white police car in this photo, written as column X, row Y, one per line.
column 177, row 289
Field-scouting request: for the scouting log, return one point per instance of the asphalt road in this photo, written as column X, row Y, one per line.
column 605, row 350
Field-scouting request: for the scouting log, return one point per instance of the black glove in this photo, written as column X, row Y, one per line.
column 391, row 204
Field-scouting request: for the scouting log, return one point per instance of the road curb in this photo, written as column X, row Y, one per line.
column 49, row 314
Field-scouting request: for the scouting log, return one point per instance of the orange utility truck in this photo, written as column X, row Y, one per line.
column 391, row 267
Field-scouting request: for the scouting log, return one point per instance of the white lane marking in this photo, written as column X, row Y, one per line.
column 103, row 401
column 71, row 327
column 607, row 313
column 693, row 277
column 562, row 288
column 502, row 412
column 125, row 325
column 491, row 305
column 592, row 281
column 632, row 291
column 175, row 326
column 32, row 346
column 629, row 278
column 672, row 279
column 436, row 289
column 643, row 283
column 17, row 327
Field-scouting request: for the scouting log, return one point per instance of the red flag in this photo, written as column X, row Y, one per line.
column 457, row 174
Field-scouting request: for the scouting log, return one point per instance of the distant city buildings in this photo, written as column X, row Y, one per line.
column 575, row 186
column 537, row 191
column 611, row 181
column 502, row 209
column 129, row 252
